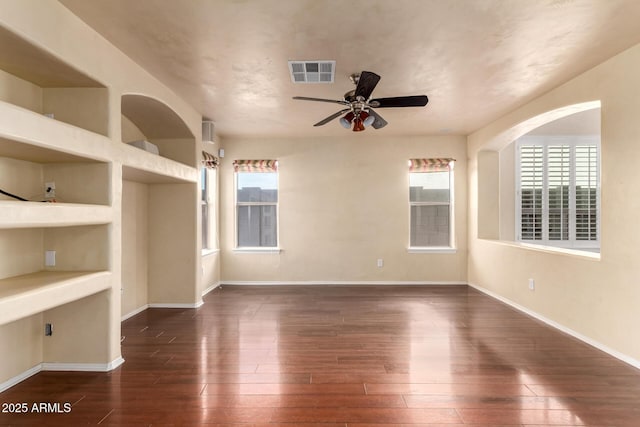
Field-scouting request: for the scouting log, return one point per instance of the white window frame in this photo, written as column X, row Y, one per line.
column 545, row 142
column 209, row 227
column 237, row 204
column 443, row 249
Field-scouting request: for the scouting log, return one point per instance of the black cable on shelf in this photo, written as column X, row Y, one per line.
column 13, row 195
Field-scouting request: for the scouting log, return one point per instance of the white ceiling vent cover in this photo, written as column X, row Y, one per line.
column 312, row 71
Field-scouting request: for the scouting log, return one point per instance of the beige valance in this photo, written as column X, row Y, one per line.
column 209, row 160
column 430, row 165
column 255, row 165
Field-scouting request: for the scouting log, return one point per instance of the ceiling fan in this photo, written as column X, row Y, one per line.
column 359, row 105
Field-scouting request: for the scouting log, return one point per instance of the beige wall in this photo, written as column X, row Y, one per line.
column 598, row 299
column 343, row 204
column 20, row 92
column 87, row 108
column 173, row 253
column 135, row 244
column 70, row 327
column 25, row 335
column 210, row 271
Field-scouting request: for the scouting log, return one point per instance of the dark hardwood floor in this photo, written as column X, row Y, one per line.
column 329, row 356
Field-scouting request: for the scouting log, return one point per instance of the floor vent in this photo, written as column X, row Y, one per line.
column 312, row 71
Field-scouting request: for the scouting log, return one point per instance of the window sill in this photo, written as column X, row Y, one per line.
column 579, row 253
column 207, row 252
column 587, row 253
column 432, row 250
column 258, row 250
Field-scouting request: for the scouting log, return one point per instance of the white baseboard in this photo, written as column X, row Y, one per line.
column 176, row 305
column 336, row 283
column 210, row 288
column 134, row 312
column 20, row 377
column 169, row 305
column 620, row 356
column 83, row 367
column 78, row 367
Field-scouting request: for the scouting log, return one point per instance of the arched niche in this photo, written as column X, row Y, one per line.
column 146, row 118
column 496, row 166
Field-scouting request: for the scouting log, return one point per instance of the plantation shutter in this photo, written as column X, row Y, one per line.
column 558, row 185
column 586, row 192
column 531, row 188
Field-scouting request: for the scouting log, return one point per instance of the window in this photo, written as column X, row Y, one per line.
column 256, row 203
column 207, row 196
column 558, row 186
column 431, row 203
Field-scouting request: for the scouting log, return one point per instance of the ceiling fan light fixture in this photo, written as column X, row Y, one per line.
column 358, row 125
column 346, row 120
column 367, row 119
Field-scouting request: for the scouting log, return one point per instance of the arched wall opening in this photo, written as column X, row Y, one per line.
column 499, row 192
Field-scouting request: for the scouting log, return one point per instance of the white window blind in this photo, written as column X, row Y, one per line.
column 558, row 191
column 256, row 203
column 431, row 203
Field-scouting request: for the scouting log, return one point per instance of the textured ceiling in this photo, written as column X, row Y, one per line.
column 475, row 59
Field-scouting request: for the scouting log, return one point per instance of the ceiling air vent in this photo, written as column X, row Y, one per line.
column 312, row 71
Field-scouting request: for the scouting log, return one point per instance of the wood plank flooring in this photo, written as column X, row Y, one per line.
column 327, row 356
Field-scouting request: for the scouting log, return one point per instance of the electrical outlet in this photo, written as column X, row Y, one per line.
column 49, row 190
column 532, row 284
column 50, row 258
column 380, row 263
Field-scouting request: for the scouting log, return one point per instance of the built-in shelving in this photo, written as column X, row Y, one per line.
column 28, row 294
column 35, row 214
column 29, row 136
column 159, row 191
column 140, row 166
column 35, row 149
column 58, row 125
column 44, row 84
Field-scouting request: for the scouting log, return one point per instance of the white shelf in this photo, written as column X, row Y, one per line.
column 141, row 166
column 16, row 214
column 30, row 136
column 26, row 295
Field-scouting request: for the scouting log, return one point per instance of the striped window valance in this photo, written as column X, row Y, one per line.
column 430, row 165
column 255, row 165
column 209, row 160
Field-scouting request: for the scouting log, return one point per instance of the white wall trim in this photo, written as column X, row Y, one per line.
column 169, row 305
column 134, row 312
column 80, row 367
column 210, row 288
column 176, row 305
column 620, row 356
column 259, row 250
column 338, row 282
column 83, row 367
column 434, row 250
column 20, row 377
column 207, row 252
